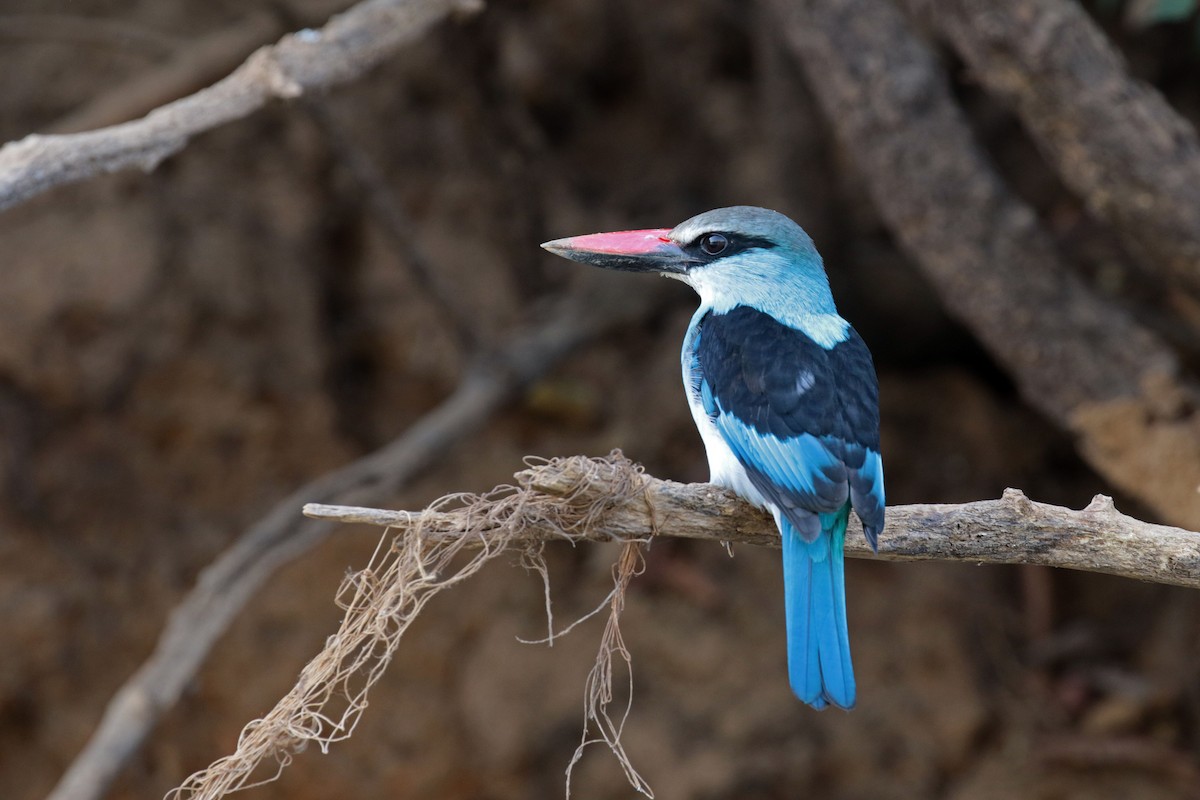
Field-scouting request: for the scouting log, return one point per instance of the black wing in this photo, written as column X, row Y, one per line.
column 802, row 419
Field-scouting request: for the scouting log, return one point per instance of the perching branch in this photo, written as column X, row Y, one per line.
column 1011, row 530
column 1079, row 358
column 1114, row 140
column 229, row 582
column 606, row 499
column 347, row 46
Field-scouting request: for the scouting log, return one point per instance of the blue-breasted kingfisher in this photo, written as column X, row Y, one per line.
column 785, row 396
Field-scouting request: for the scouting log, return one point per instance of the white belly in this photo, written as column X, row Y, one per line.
column 723, row 467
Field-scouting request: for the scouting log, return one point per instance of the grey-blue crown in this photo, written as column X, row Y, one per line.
column 747, row 221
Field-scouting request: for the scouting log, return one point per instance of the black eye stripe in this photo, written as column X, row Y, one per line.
column 734, row 243
column 748, row 242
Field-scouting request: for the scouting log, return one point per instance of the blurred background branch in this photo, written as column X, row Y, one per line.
column 1114, row 140
column 349, row 45
column 1078, row 357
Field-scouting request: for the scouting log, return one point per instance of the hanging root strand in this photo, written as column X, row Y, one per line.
column 410, row 566
column 598, row 724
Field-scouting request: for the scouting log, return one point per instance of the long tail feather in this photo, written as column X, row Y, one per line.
column 819, row 666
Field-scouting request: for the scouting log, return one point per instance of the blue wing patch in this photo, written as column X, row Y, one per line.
column 802, row 419
column 800, row 474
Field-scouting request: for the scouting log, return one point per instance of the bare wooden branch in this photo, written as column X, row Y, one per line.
column 346, row 47
column 1114, row 140
column 229, row 582
column 1077, row 357
column 1010, row 530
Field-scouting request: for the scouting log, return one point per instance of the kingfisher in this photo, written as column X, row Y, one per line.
column 784, row 393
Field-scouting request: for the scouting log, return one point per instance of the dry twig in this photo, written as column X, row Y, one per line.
column 347, row 46
column 1011, row 530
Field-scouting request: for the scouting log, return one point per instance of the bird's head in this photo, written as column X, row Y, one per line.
column 740, row 255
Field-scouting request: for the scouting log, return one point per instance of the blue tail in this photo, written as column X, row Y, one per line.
column 814, row 586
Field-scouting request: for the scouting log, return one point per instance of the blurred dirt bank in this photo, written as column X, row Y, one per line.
column 178, row 350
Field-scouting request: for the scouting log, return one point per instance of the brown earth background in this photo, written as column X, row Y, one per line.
column 180, row 349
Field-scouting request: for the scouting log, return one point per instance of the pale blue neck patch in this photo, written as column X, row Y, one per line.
column 791, row 287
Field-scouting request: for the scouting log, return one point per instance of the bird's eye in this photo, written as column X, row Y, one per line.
column 713, row 244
